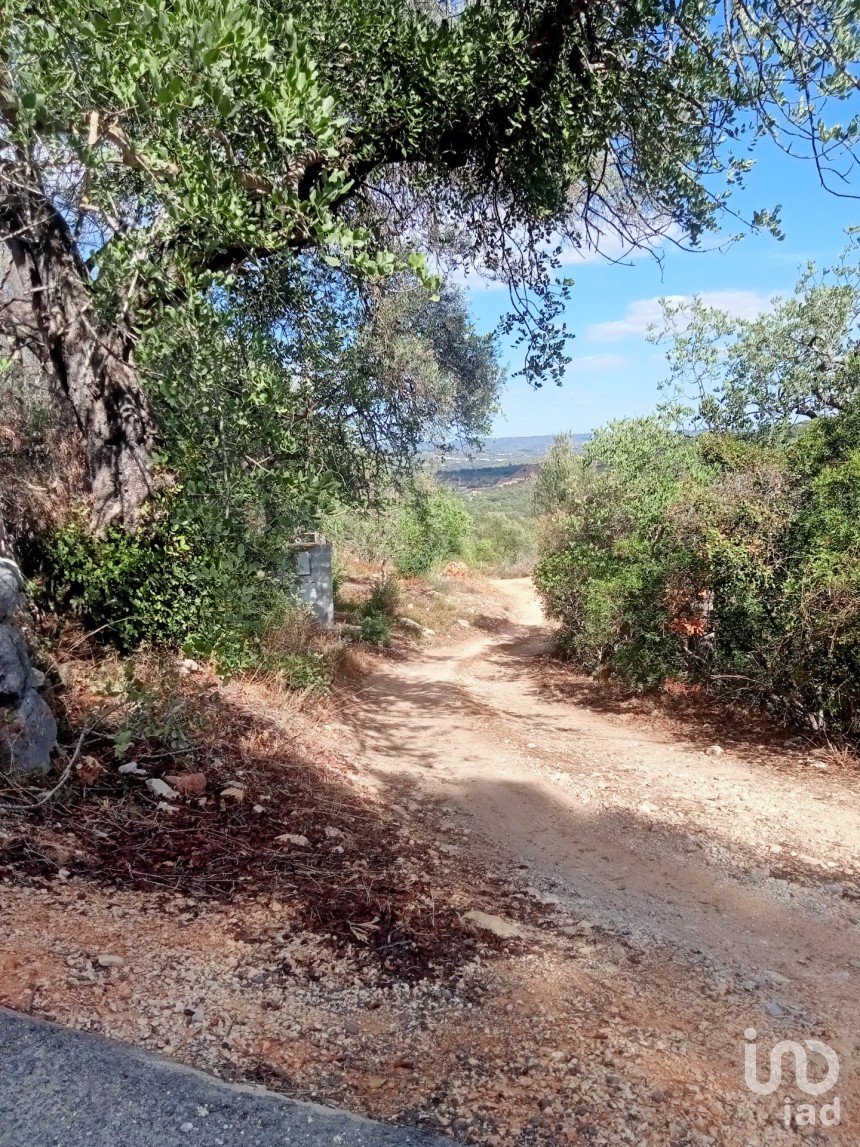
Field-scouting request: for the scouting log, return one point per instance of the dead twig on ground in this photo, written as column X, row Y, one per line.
column 67, row 772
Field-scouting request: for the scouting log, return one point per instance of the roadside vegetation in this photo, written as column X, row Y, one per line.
column 492, row 530
column 229, row 236
column 717, row 543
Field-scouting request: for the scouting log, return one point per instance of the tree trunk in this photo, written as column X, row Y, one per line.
column 47, row 307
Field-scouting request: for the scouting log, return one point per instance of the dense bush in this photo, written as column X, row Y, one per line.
column 378, row 612
column 610, row 552
column 720, row 542
column 783, row 545
column 504, row 528
column 416, row 531
column 166, row 583
column 274, row 401
column 716, row 560
column 436, row 527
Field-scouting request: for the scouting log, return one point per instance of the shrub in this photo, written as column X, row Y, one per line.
column 375, row 629
column 418, row 529
column 306, row 671
column 297, row 652
column 726, row 561
column 384, row 598
column 377, row 613
column 165, row 583
column 610, row 553
column 435, row 527
column 503, row 543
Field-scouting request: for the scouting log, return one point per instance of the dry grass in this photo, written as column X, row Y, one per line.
column 440, row 602
column 42, row 465
column 840, row 756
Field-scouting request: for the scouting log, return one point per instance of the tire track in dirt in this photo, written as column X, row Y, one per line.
column 744, row 871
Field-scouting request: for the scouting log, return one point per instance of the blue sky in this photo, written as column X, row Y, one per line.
column 615, row 372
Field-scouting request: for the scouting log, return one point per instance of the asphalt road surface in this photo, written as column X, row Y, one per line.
column 61, row 1088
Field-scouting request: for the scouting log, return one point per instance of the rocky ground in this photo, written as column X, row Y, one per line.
column 473, row 893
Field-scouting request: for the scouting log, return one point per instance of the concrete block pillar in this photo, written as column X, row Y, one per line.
column 314, row 578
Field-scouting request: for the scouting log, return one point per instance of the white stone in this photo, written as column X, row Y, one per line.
column 161, row 789
column 498, row 925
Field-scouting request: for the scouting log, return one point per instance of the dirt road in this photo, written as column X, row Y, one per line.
column 604, row 899
column 733, row 868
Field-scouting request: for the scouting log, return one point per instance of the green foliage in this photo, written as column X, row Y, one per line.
column 383, row 600
column 375, row 629
column 609, row 550
column 780, row 535
column 376, row 615
column 500, row 541
column 503, row 534
column 194, row 114
column 435, row 527
column 265, row 422
column 306, row 671
column 494, row 529
column 527, row 126
column 235, row 179
column 725, row 561
column 150, row 705
column 164, row 583
column 761, row 376
column 284, row 393
column 186, row 140
column 414, row 531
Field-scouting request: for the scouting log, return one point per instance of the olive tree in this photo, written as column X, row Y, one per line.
column 151, row 151
column 798, row 360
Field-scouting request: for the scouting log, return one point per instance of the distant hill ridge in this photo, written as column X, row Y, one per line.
column 497, row 452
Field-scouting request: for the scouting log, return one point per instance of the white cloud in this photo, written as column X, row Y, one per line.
column 473, row 281
column 613, row 248
column 609, row 248
column 597, row 362
column 644, row 313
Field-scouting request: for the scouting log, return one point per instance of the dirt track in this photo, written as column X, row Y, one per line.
column 663, row 897
column 735, row 867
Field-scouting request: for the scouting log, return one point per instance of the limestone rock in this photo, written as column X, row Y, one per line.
column 498, row 925
column 411, row 625
column 161, row 788
column 108, row 960
column 28, row 731
column 14, row 666
column 11, row 587
column 31, row 735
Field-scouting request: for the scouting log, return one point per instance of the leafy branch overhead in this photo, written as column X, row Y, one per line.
column 187, row 138
column 152, row 154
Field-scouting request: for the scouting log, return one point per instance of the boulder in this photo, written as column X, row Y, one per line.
column 31, row 735
column 28, row 731
column 11, row 587
column 14, row 665
column 498, row 925
column 410, row 624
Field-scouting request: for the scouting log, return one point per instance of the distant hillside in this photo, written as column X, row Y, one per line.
column 477, row 477
column 501, row 462
column 506, row 452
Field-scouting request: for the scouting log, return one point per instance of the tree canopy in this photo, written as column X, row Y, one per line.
column 799, row 359
column 151, row 153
